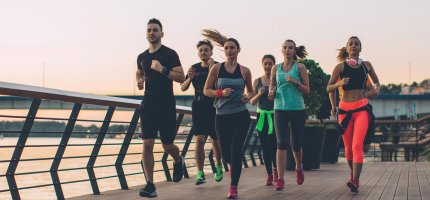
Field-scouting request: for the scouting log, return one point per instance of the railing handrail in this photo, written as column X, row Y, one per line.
column 73, row 97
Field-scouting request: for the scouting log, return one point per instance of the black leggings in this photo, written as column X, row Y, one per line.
column 231, row 131
column 283, row 119
column 268, row 143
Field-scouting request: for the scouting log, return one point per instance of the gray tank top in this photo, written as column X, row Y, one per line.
column 233, row 103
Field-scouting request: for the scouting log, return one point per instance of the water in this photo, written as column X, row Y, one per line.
column 76, row 189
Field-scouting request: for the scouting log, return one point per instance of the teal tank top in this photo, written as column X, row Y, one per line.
column 288, row 96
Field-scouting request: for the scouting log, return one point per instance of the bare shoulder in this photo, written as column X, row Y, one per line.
column 339, row 67
column 246, row 70
column 302, row 66
column 215, row 66
column 368, row 65
column 256, row 81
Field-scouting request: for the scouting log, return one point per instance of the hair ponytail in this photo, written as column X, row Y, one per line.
column 300, row 52
column 343, row 55
column 215, row 36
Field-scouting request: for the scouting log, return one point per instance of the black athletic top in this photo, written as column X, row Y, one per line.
column 264, row 103
column 199, row 80
column 358, row 77
column 158, row 88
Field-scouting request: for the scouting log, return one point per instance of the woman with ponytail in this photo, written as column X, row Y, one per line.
column 226, row 82
column 355, row 113
column 289, row 81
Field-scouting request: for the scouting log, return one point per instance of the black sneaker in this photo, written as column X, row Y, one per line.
column 148, row 191
column 178, row 170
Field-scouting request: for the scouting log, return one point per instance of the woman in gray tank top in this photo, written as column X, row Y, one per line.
column 227, row 82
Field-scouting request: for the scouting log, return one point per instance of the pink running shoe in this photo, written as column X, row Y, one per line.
column 353, row 185
column 232, row 194
column 275, row 175
column 269, row 180
column 300, row 176
column 280, row 184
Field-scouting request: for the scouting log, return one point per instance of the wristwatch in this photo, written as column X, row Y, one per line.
column 298, row 84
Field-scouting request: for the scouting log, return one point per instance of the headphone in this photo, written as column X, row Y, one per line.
column 352, row 61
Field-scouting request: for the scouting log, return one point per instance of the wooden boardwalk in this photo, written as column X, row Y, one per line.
column 380, row 180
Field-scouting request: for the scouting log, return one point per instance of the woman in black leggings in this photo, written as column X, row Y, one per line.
column 289, row 81
column 227, row 82
column 265, row 116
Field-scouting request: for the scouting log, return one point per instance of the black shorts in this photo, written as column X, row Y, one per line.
column 158, row 118
column 204, row 118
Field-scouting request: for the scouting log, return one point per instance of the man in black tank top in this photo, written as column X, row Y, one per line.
column 157, row 68
column 203, row 112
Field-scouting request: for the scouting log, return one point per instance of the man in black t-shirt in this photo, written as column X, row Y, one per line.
column 157, row 68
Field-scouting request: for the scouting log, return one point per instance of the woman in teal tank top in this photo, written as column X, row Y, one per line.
column 289, row 81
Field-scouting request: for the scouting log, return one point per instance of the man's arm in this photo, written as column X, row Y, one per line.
column 140, row 78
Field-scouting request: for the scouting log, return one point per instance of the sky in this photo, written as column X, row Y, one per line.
column 91, row 46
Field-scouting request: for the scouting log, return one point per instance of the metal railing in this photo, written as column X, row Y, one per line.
column 412, row 140
column 396, row 140
column 39, row 94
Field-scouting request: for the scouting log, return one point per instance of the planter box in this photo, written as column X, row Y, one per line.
column 313, row 141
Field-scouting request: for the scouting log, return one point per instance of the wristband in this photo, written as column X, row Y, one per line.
column 219, row 93
column 165, row 71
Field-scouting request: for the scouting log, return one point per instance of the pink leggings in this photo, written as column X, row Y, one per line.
column 356, row 130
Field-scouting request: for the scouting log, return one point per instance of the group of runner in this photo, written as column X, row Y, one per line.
column 222, row 90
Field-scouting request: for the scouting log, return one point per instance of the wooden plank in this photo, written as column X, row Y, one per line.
column 364, row 182
column 423, row 180
column 402, row 186
column 384, row 171
column 413, row 186
column 390, row 188
column 293, row 191
column 340, row 189
column 380, row 186
column 379, row 181
column 331, row 176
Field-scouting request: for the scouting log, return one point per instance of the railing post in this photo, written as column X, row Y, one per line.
column 164, row 158
column 416, row 142
column 96, row 149
column 185, row 149
column 245, row 146
column 19, row 148
column 124, row 148
column 211, row 160
column 62, row 148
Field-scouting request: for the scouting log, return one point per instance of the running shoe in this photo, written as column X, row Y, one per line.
column 148, row 191
column 218, row 173
column 353, row 185
column 269, row 180
column 232, row 194
column 200, row 178
column 275, row 175
column 300, row 176
column 178, row 170
column 280, row 184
